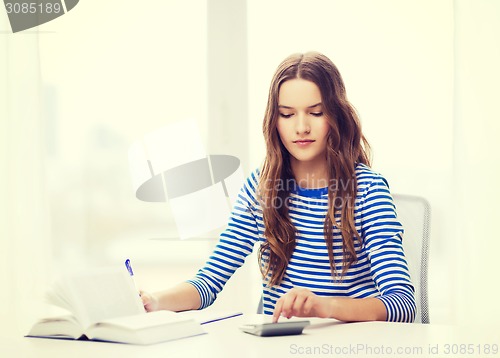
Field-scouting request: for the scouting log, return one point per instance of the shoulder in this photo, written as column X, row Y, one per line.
column 371, row 186
column 376, row 208
column 369, row 180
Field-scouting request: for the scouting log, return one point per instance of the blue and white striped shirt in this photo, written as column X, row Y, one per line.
column 380, row 270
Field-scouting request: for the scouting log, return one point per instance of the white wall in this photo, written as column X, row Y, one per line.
column 476, row 134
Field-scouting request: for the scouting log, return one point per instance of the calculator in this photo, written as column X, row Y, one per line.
column 288, row 328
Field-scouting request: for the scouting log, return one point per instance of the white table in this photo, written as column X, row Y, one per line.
column 325, row 338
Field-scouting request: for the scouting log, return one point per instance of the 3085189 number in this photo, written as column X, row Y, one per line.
column 471, row 349
column 33, row 8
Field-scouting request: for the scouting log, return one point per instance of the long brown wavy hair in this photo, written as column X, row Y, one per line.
column 346, row 146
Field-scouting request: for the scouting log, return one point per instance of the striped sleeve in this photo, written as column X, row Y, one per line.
column 382, row 235
column 234, row 245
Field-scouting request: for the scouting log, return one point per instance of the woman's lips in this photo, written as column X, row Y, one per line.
column 303, row 142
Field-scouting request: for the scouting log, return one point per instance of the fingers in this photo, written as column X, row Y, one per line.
column 288, row 304
column 297, row 307
column 277, row 310
column 285, row 306
column 147, row 301
column 296, row 302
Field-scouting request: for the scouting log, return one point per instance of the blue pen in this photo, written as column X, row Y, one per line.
column 129, row 267
column 131, row 272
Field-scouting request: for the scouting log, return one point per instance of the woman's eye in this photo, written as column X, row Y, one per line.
column 317, row 114
column 284, row 115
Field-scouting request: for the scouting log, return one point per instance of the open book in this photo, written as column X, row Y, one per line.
column 105, row 306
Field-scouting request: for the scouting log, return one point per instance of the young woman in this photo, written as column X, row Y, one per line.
column 330, row 242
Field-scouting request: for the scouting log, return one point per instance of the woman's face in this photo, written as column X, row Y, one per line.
column 302, row 125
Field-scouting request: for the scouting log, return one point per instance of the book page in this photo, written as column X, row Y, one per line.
column 147, row 328
column 147, row 320
column 58, row 296
column 63, row 326
column 102, row 294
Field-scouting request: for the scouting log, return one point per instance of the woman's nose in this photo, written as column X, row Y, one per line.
column 302, row 124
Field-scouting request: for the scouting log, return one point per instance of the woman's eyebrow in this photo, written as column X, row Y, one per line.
column 288, row 107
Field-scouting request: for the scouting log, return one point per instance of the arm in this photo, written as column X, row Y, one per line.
column 383, row 241
column 182, row 297
column 301, row 302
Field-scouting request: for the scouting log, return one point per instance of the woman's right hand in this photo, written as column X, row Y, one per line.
column 149, row 301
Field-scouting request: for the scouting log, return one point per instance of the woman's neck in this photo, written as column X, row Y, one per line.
column 310, row 175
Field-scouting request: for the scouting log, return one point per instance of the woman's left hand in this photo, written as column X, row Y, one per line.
column 301, row 302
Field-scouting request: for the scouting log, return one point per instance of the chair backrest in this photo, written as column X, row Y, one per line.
column 414, row 214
